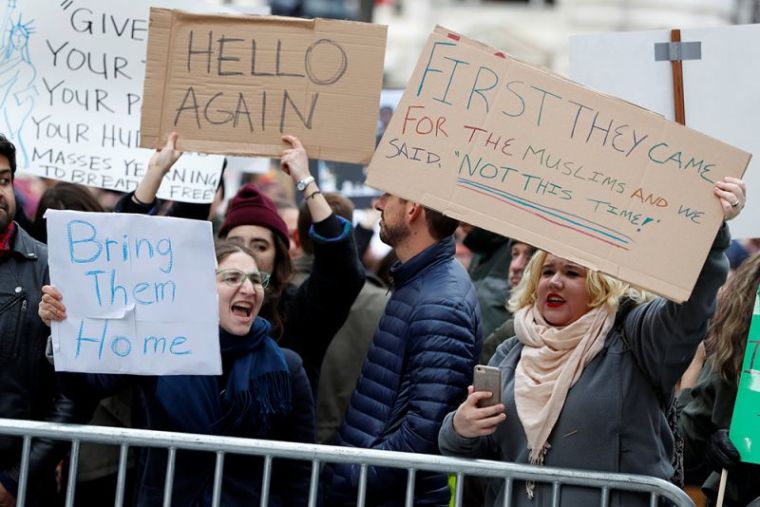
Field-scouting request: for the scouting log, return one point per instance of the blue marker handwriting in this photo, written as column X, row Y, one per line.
column 101, row 342
column 113, row 260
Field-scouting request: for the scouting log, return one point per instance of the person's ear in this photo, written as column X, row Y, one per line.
column 414, row 211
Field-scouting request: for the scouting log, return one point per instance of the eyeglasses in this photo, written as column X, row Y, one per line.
column 236, row 277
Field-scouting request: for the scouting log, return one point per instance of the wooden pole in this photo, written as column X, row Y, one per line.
column 722, row 488
column 675, row 36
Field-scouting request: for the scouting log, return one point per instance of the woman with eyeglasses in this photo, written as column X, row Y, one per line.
column 263, row 392
column 304, row 317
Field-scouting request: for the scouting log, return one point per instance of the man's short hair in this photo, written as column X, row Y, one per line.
column 339, row 203
column 439, row 225
column 9, row 151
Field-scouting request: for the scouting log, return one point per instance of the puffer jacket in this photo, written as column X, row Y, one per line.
column 612, row 420
column 417, row 370
column 27, row 381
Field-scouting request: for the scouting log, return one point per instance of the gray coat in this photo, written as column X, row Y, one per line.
column 611, row 420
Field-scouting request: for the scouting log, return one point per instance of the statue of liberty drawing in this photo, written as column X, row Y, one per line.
column 17, row 78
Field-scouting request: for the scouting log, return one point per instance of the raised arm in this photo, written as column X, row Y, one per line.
column 664, row 335
column 320, row 305
column 295, row 163
column 158, row 167
column 143, row 199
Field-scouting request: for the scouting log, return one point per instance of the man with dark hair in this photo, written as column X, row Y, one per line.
column 27, row 380
column 420, row 361
column 439, row 225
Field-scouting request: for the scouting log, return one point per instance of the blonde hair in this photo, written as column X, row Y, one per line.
column 602, row 289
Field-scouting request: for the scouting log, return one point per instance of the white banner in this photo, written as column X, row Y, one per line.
column 719, row 87
column 140, row 294
column 71, row 75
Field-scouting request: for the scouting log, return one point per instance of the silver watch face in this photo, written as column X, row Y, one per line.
column 303, row 184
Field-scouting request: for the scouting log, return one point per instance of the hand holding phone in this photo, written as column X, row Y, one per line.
column 487, row 378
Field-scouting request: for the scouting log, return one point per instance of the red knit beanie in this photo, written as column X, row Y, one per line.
column 251, row 207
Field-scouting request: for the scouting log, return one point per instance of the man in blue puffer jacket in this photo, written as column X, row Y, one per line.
column 419, row 364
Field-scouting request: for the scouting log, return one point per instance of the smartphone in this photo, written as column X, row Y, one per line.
column 487, row 378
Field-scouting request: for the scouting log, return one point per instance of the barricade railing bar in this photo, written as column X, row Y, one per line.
column 124, row 438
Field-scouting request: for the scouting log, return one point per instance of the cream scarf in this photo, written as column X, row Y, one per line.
column 551, row 362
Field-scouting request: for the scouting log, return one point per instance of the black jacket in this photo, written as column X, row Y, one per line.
column 28, row 387
column 706, row 408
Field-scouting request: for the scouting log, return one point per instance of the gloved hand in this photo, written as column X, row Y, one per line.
column 720, row 452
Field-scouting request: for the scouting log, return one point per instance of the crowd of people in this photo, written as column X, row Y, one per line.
column 319, row 344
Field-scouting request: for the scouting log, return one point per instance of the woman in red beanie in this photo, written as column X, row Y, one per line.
column 304, row 318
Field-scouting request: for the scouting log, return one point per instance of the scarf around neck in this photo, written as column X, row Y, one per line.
column 258, row 387
column 551, row 362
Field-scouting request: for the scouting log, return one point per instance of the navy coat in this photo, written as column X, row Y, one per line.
column 194, row 472
column 417, row 370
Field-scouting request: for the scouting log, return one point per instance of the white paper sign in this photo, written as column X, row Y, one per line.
column 721, row 95
column 140, row 294
column 254, row 165
column 72, row 74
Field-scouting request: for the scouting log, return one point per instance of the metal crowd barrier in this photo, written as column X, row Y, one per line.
column 318, row 454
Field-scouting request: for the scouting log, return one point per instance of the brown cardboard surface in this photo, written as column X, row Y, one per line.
column 515, row 149
column 263, row 76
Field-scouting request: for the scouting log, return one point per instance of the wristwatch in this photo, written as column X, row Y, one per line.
column 302, row 184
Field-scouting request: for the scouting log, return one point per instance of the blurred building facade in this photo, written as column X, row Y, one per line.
column 535, row 31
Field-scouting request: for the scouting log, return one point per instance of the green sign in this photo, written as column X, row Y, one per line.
column 745, row 423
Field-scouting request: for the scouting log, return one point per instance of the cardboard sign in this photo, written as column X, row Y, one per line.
column 745, row 423
column 72, row 74
column 140, row 294
column 720, row 87
column 348, row 179
column 520, row 151
column 235, row 84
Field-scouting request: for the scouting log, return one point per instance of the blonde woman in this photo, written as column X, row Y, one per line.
column 582, row 380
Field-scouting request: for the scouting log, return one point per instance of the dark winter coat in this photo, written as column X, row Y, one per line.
column 417, row 369
column 705, row 409
column 499, row 336
column 489, row 270
column 194, row 472
column 27, row 382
